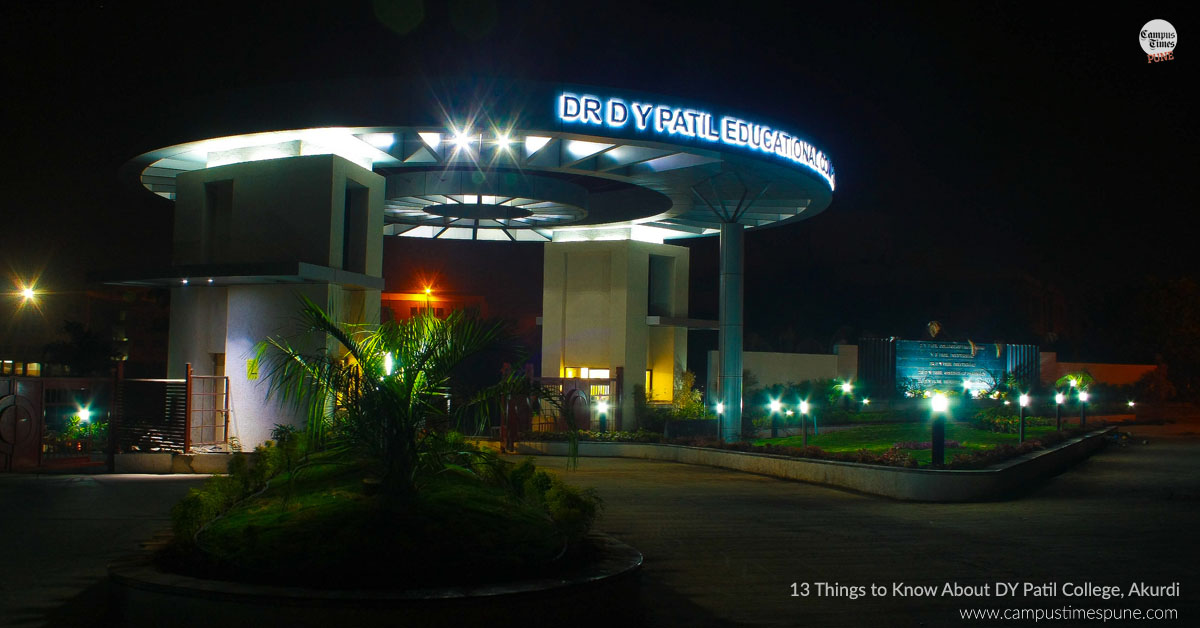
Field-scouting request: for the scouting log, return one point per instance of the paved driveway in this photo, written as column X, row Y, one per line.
column 723, row 548
column 58, row 532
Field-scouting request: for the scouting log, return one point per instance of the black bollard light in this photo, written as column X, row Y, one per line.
column 938, row 404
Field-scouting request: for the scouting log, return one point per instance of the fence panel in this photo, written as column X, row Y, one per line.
column 151, row 415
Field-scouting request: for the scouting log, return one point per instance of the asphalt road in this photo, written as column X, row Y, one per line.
column 723, row 548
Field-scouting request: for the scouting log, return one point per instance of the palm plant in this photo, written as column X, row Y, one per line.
column 384, row 390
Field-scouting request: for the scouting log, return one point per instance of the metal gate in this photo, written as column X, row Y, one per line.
column 21, row 424
column 208, row 410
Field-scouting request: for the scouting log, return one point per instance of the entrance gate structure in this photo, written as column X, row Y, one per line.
column 602, row 177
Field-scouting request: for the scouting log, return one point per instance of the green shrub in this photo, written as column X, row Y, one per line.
column 222, row 492
column 1001, row 420
column 573, row 509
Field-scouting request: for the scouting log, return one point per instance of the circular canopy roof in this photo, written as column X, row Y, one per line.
column 558, row 164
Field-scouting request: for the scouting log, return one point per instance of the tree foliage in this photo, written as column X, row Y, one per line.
column 384, row 393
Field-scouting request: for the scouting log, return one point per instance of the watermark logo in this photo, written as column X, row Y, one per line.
column 1158, row 39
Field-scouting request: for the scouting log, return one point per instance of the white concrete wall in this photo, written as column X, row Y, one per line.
column 281, row 210
column 594, row 307
column 847, row 361
column 197, row 329
column 288, row 209
column 778, row 368
column 256, row 313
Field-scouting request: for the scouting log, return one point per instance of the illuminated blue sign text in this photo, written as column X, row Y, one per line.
column 666, row 120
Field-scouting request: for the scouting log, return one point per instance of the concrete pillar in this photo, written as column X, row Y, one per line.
column 733, row 237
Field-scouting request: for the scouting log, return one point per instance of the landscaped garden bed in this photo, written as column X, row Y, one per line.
column 969, row 446
column 375, row 500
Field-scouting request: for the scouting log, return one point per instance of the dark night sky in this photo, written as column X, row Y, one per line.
column 995, row 161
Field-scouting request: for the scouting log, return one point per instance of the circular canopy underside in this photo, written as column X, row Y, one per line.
column 528, row 184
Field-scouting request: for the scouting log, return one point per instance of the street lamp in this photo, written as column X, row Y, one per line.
column 1023, row 400
column 1058, row 401
column 847, row 388
column 602, row 408
column 804, row 421
column 938, row 404
column 1083, row 399
column 775, row 407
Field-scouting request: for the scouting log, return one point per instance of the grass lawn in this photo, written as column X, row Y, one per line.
column 880, row 438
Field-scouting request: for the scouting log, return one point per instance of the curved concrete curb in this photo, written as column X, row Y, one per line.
column 142, row 595
column 1004, row 480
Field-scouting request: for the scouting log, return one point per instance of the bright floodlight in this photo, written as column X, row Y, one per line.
column 866, row 402
column 1058, row 398
column 939, row 403
column 503, row 140
column 1083, row 396
column 1130, row 404
column 462, row 140
column 85, row 415
column 775, row 405
column 388, row 364
column 1072, row 382
column 788, row 413
column 1024, row 400
column 720, row 408
column 846, row 387
column 602, row 407
column 803, row 407
column 28, row 293
column 183, row 281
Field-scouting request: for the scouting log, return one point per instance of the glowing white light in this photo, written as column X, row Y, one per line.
column 534, row 143
column 720, row 408
column 432, row 140
column 580, row 149
column 1072, row 382
column 503, row 140
column 846, row 387
column 210, row 280
column 788, row 413
column 866, row 402
column 939, row 403
column 462, row 140
column 85, row 415
column 1058, row 398
column 1083, row 396
column 616, row 113
column 183, row 281
column 27, row 293
column 803, row 407
column 380, row 140
column 1130, row 404
column 1023, row 400
column 602, row 407
column 1007, row 402
column 776, row 406
column 388, row 364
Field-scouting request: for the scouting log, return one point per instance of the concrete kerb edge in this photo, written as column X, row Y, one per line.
column 1001, row 481
column 168, row 462
column 139, row 588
